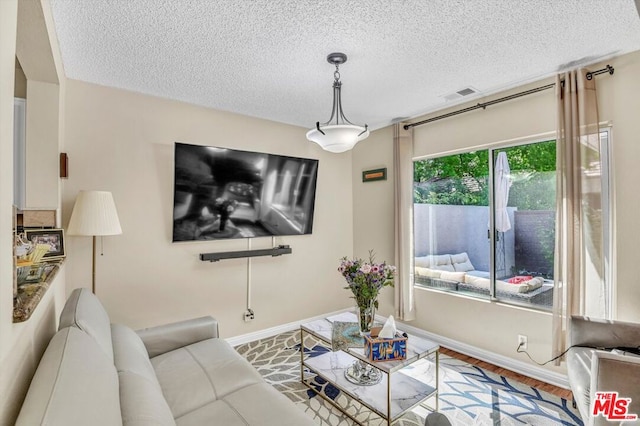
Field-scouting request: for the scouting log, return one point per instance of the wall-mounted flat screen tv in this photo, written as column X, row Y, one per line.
column 222, row 193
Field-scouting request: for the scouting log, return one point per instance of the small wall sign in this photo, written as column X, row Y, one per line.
column 375, row 174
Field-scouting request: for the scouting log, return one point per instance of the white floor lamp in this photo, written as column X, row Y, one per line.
column 94, row 214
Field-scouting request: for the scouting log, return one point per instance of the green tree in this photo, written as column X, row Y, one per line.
column 463, row 179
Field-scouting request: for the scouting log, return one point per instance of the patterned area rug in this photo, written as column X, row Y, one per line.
column 468, row 394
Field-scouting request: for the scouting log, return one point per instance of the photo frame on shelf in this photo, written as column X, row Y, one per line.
column 53, row 237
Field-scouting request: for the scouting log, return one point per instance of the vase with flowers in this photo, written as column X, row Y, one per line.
column 365, row 280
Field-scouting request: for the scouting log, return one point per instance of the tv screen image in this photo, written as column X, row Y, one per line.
column 222, row 193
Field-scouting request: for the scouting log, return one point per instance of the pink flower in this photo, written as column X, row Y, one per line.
column 366, row 268
column 375, row 269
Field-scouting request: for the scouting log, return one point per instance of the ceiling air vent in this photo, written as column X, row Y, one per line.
column 466, row 92
column 460, row 94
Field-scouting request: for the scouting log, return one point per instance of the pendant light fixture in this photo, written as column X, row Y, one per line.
column 338, row 134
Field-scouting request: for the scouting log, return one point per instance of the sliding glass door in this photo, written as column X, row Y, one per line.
column 484, row 223
column 451, row 223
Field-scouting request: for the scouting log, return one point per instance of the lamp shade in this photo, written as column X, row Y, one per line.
column 338, row 134
column 338, row 138
column 94, row 214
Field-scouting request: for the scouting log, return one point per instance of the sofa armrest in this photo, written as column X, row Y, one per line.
column 165, row 338
column 612, row 372
column 597, row 333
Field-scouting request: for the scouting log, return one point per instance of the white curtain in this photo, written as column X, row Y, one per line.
column 403, row 221
column 579, row 239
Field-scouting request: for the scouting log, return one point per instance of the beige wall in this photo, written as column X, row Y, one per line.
column 20, row 82
column 619, row 102
column 491, row 326
column 123, row 142
column 8, row 20
column 42, row 164
column 22, row 345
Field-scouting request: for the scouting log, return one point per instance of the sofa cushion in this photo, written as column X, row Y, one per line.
column 130, row 354
column 522, row 287
column 461, row 262
column 142, row 402
column 442, row 262
column 141, row 398
column 261, row 404
column 258, row 404
column 481, row 274
column 75, row 384
column 503, row 286
column 477, row 281
column 426, row 272
column 83, row 310
column 452, row 276
column 215, row 412
column 198, row 374
column 422, row 261
column 444, row 267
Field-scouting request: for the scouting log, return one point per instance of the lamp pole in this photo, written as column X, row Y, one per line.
column 93, row 267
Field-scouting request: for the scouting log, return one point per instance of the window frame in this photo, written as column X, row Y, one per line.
column 609, row 202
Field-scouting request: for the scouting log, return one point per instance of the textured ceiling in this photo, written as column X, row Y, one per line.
column 266, row 58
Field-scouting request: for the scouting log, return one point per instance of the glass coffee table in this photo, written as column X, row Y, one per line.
column 394, row 395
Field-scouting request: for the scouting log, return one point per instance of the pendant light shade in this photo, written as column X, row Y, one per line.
column 338, row 138
column 338, row 134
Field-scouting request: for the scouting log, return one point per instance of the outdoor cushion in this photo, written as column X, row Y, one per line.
column 444, row 267
column 459, row 258
column 452, row 276
column 441, row 260
column 461, row 262
column 504, row 286
column 422, row 261
column 426, row 272
column 481, row 274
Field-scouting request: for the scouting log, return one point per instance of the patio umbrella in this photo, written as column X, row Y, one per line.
column 502, row 185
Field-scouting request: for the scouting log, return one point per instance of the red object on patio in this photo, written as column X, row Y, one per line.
column 519, row 279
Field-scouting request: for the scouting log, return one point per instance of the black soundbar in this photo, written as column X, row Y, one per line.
column 275, row 251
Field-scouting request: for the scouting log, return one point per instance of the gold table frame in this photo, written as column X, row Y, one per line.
column 428, row 349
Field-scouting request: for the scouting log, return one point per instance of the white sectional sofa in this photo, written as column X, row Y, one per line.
column 97, row 373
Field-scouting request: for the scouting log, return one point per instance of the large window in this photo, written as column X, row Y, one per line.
column 484, row 224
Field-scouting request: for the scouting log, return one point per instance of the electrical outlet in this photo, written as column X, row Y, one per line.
column 522, row 342
column 249, row 315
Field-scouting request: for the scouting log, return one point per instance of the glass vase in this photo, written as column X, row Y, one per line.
column 366, row 316
column 360, row 372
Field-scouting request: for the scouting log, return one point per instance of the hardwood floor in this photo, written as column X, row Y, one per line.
column 554, row 390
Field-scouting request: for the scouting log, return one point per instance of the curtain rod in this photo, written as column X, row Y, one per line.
column 484, row 105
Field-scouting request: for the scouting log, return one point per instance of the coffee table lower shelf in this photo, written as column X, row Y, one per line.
column 396, row 394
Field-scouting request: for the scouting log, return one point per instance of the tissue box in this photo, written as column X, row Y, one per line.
column 377, row 349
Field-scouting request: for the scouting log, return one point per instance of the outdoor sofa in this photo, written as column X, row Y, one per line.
column 455, row 272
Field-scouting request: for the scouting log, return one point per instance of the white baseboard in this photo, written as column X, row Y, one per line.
column 268, row 332
column 514, row 365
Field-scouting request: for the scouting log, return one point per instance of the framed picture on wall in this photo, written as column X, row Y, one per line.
column 53, row 237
